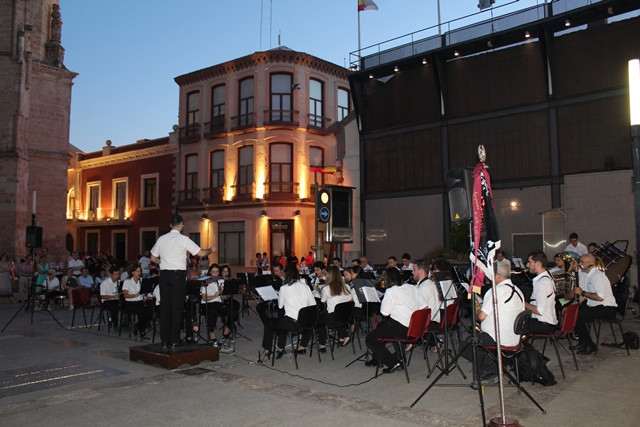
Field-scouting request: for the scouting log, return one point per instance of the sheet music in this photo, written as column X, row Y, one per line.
column 517, row 262
column 267, row 293
column 370, row 294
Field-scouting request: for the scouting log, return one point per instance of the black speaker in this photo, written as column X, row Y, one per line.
column 34, row 236
column 460, row 188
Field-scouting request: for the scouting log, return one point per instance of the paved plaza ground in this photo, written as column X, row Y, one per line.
column 78, row 376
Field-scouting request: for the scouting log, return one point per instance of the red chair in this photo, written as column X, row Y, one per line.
column 568, row 324
column 82, row 299
column 418, row 326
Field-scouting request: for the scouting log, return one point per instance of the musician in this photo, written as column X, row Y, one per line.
column 428, row 290
column 170, row 252
column 267, row 310
column 336, row 292
column 134, row 301
column 575, row 246
column 510, row 301
column 543, row 297
column 392, row 261
column 293, row 296
column 211, row 296
column 501, row 259
column 364, row 263
column 109, row 295
column 317, row 278
column 600, row 302
column 399, row 302
column 356, row 283
column 406, row 262
column 441, row 274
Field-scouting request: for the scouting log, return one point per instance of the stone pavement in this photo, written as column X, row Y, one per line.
column 81, row 376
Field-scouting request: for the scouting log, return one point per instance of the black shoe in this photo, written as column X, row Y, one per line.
column 397, row 367
column 587, row 349
column 279, row 354
column 303, row 351
column 372, row 362
column 322, row 349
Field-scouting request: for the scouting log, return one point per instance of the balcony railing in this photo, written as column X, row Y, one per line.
column 281, row 190
column 189, row 197
column 244, row 192
column 216, row 126
column 281, row 117
column 213, row 195
column 189, row 133
column 243, row 121
column 318, row 122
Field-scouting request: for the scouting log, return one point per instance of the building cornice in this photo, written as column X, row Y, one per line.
column 128, row 156
column 262, row 58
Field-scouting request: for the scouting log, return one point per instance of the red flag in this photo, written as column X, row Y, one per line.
column 366, row 5
column 486, row 238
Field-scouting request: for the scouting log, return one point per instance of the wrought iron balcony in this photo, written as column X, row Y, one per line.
column 217, row 126
column 189, row 133
column 244, row 192
column 318, row 122
column 243, row 121
column 281, row 117
column 189, row 197
column 281, row 190
column 214, row 195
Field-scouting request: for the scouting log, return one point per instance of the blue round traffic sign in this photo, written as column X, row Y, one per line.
column 324, row 214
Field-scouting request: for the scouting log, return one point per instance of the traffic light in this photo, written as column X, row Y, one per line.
column 460, row 188
column 334, row 207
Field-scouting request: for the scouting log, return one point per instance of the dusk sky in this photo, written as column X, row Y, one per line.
column 127, row 53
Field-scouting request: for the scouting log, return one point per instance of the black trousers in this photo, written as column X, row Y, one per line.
column 486, row 365
column 390, row 328
column 113, row 307
column 172, row 291
column 538, row 327
column 138, row 308
column 587, row 314
column 215, row 310
column 328, row 320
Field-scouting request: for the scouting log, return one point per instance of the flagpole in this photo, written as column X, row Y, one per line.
column 359, row 39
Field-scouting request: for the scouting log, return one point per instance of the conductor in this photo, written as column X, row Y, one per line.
column 170, row 253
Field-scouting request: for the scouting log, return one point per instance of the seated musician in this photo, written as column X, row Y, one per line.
column 356, row 283
column 318, row 278
column 441, row 275
column 336, row 292
column 293, row 296
column 399, row 302
column 597, row 301
column 225, row 272
column 134, row 300
column 543, row 298
column 510, row 303
column 109, row 295
column 267, row 310
column 501, row 259
column 211, row 297
column 428, row 290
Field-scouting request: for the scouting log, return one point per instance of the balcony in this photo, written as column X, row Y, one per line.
column 281, row 118
column 213, row 196
column 189, row 197
column 281, row 190
column 215, row 128
column 101, row 218
column 318, row 123
column 189, row 133
column 244, row 192
column 243, row 121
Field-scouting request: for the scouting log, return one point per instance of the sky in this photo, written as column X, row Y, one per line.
column 128, row 52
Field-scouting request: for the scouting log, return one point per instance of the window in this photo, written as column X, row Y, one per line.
column 71, row 204
column 193, row 108
column 119, row 202
column 93, row 242
column 217, row 108
column 281, row 98
column 119, row 245
column 280, row 168
column 245, row 169
column 148, row 238
column 149, row 191
column 191, row 176
column 231, row 243
column 315, row 103
column 93, row 201
column 316, row 158
column 343, row 103
column 245, row 111
column 217, row 169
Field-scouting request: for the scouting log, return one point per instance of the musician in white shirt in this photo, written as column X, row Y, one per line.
column 543, row 297
column 576, row 246
column 211, row 296
column 134, row 300
column 334, row 293
column 109, row 294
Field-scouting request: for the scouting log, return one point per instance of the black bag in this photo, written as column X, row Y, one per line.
column 531, row 367
column 631, row 340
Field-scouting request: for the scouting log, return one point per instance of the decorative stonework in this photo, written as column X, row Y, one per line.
column 53, row 49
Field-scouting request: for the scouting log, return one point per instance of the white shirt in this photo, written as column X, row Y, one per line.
column 74, row 263
column 580, row 249
column 293, row 297
column 507, row 312
column 210, row 290
column 51, row 285
column 144, row 264
column 133, row 288
column 400, row 302
column 429, row 292
column 367, row 268
column 598, row 283
column 498, row 262
column 407, row 267
column 544, row 298
column 172, row 250
column 333, row 300
column 107, row 287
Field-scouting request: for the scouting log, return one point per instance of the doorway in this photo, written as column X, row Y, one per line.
column 280, row 233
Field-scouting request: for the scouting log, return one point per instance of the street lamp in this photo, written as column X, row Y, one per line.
column 634, row 114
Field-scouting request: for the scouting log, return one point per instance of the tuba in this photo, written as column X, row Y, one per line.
column 566, row 280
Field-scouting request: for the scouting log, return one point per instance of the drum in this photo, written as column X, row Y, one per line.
column 616, row 261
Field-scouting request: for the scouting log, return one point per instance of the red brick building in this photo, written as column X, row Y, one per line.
column 120, row 199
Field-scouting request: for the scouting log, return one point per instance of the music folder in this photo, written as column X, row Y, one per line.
column 147, row 285
column 370, row 294
column 267, row 293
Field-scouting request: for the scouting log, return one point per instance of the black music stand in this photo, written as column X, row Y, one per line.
column 192, row 298
column 231, row 288
column 362, row 298
column 447, row 353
